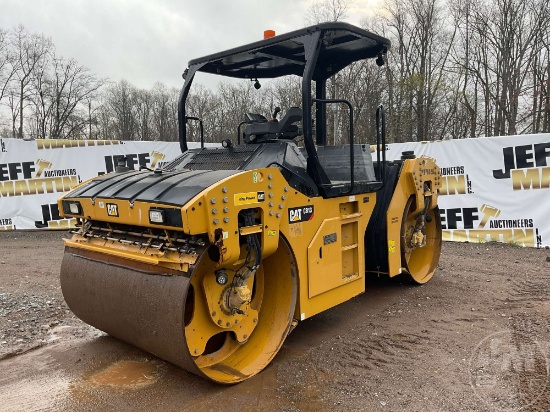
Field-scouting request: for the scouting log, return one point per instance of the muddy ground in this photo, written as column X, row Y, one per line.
column 475, row 338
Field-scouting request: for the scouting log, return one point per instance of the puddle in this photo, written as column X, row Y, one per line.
column 129, row 374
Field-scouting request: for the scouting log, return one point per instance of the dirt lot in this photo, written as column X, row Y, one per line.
column 477, row 337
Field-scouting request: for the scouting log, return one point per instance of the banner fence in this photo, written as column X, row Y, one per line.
column 494, row 189
column 34, row 174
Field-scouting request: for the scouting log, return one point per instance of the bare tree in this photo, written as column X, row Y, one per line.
column 328, row 10
column 8, row 64
column 120, row 101
column 505, row 59
column 40, row 91
column 106, row 129
column 418, row 69
column 61, row 91
column 541, row 88
column 161, row 110
column 364, row 85
column 143, row 101
column 206, row 106
column 164, row 112
column 72, row 85
column 92, row 104
column 13, row 105
column 286, row 92
column 30, row 50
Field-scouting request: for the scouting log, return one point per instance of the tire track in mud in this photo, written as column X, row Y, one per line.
column 406, row 332
column 354, row 366
column 374, row 351
column 350, row 362
column 347, row 361
column 451, row 324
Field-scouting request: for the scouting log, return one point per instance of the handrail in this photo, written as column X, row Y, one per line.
column 381, row 141
column 200, row 125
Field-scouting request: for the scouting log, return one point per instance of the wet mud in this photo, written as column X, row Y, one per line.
column 475, row 338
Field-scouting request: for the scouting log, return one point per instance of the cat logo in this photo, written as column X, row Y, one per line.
column 112, row 209
column 300, row 214
column 295, row 215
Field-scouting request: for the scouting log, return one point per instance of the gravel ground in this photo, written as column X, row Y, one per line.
column 31, row 303
column 476, row 337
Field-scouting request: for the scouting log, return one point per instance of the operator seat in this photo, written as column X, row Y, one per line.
column 258, row 129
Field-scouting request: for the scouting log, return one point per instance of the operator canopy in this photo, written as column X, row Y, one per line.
column 285, row 54
column 315, row 54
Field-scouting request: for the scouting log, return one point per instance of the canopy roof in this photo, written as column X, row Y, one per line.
column 340, row 45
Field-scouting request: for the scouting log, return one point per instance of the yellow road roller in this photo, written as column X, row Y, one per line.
column 210, row 261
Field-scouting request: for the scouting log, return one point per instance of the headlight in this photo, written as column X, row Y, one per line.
column 73, row 207
column 167, row 216
column 156, row 216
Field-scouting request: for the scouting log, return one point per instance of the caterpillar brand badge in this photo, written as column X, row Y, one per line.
column 300, row 214
column 112, row 209
column 247, row 198
column 391, row 246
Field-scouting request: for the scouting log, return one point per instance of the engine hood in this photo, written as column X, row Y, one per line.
column 169, row 188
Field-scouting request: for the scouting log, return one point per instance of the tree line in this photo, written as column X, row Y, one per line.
column 456, row 69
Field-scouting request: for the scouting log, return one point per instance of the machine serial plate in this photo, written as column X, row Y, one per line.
column 328, row 239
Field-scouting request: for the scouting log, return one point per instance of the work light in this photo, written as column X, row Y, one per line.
column 156, row 216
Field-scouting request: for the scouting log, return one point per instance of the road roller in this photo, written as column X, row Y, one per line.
column 210, row 261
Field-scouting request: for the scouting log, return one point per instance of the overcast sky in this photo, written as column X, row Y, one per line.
column 145, row 41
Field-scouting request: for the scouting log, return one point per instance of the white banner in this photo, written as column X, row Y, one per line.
column 34, row 174
column 494, row 188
